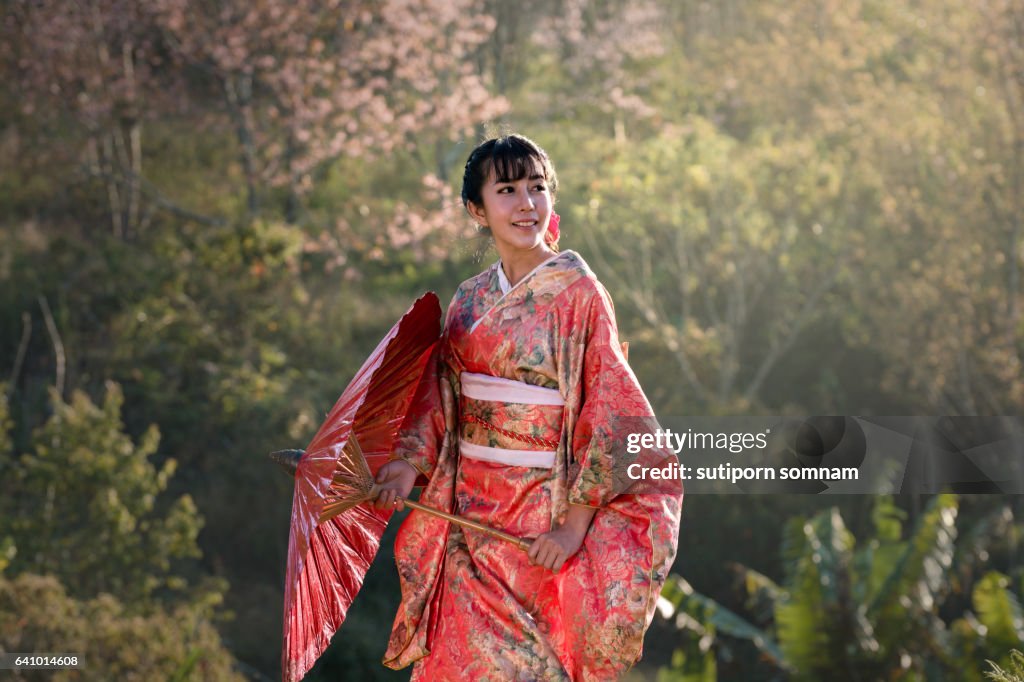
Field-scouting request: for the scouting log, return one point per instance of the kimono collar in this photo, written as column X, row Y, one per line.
column 503, row 282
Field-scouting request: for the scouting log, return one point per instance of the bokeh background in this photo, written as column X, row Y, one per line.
column 211, row 211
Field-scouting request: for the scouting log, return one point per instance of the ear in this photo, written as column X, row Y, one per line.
column 476, row 213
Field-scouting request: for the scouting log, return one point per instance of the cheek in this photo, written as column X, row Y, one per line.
column 507, row 203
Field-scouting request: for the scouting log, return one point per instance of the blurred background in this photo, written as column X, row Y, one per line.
column 211, row 211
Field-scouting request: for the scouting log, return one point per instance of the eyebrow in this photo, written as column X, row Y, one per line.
column 535, row 176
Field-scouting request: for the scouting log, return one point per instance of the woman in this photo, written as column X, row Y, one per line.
column 514, row 426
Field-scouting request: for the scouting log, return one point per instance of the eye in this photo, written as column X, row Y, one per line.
column 540, row 187
column 505, row 190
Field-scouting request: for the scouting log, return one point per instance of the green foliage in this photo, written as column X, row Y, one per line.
column 84, row 504
column 791, row 203
column 111, row 639
column 873, row 611
column 998, row 610
column 1014, row 673
column 94, row 553
column 691, row 229
column 811, row 615
column 706, row 618
column 914, row 583
column 873, row 608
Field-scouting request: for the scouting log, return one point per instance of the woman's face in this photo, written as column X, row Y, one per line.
column 516, row 211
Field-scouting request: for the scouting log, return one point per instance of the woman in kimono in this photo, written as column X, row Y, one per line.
column 514, row 425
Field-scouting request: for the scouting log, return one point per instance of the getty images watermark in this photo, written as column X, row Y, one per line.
column 820, row 455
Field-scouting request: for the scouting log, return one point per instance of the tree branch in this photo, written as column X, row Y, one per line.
column 154, row 195
column 58, row 345
column 19, row 357
column 777, row 349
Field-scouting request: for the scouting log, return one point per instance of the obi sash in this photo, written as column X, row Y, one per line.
column 509, row 422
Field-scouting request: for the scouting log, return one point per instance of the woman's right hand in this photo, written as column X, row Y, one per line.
column 395, row 480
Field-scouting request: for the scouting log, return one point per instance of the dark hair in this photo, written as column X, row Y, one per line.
column 511, row 157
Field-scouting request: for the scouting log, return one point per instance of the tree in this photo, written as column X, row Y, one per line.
column 112, row 640
column 101, row 67
column 84, row 506
column 91, row 560
column 726, row 251
column 299, row 86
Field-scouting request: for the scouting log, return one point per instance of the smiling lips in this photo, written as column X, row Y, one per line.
column 524, row 223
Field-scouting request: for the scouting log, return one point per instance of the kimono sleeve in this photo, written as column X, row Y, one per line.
column 422, row 432
column 606, row 391
column 421, row 438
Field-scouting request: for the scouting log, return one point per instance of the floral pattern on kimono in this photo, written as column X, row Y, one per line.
column 474, row 607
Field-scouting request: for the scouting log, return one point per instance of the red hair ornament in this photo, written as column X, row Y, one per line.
column 551, row 236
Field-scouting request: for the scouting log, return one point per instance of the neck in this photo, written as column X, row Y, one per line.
column 520, row 264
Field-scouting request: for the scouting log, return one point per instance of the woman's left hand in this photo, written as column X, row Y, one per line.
column 552, row 549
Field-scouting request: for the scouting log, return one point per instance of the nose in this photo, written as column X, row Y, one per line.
column 526, row 201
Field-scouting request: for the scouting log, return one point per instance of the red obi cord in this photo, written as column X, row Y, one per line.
column 522, row 438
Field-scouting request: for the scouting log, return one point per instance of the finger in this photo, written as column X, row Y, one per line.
column 399, row 503
column 541, row 548
column 545, row 551
column 534, row 549
column 545, row 557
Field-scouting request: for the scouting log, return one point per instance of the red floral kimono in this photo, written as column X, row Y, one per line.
column 511, row 425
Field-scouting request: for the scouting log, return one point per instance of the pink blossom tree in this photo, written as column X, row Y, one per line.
column 299, row 84
column 308, row 82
